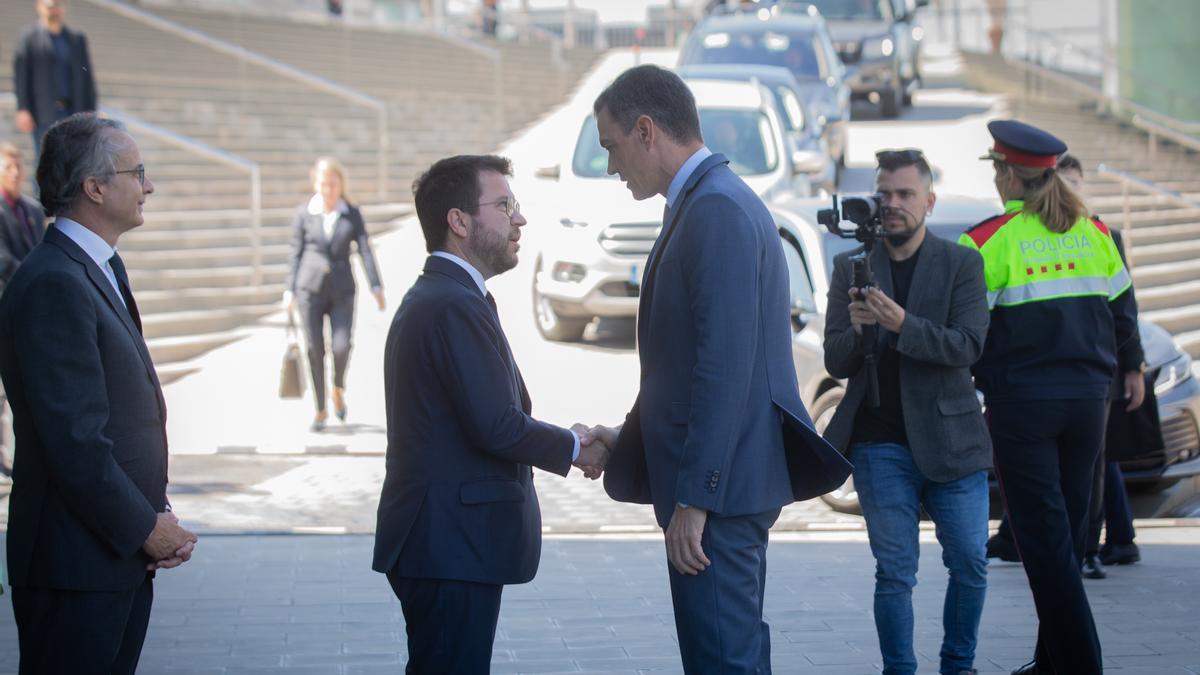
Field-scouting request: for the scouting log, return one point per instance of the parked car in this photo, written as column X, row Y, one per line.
column 800, row 43
column 879, row 43
column 810, row 151
column 810, row 251
column 592, row 265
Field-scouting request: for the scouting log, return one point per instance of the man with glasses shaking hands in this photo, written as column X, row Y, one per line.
column 926, row 444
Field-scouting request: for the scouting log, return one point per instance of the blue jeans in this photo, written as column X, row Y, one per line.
column 892, row 491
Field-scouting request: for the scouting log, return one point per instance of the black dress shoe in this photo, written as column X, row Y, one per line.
column 1002, row 548
column 1120, row 554
column 1027, row 669
column 1092, row 569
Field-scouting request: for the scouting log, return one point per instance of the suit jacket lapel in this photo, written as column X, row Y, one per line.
column 101, row 282
column 668, row 229
column 925, row 271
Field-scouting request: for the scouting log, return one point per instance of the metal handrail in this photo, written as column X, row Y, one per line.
column 1128, row 181
column 277, row 67
column 1154, row 123
column 142, row 127
column 1154, row 130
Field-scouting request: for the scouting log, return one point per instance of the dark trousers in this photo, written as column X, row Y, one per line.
column 451, row 625
column 314, row 307
column 1045, row 454
column 81, row 632
column 718, row 613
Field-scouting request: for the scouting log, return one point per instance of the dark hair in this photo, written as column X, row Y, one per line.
column 451, row 183
column 75, row 149
column 1069, row 162
column 893, row 160
column 657, row 93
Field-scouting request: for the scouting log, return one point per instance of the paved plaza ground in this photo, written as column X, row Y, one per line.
column 310, row 605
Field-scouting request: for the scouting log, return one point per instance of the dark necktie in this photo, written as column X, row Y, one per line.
column 508, row 355
column 118, row 268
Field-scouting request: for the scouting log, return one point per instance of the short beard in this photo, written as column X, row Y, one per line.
column 901, row 238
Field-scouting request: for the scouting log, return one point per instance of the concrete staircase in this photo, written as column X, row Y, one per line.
column 190, row 263
column 1165, row 238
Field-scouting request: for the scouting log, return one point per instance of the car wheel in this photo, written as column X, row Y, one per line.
column 550, row 323
column 844, row 499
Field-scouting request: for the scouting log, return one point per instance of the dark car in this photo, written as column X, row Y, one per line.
column 800, row 43
column 810, row 250
column 810, row 151
column 879, row 43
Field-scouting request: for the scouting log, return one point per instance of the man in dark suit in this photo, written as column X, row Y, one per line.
column 89, row 521
column 718, row 439
column 926, row 444
column 52, row 72
column 22, row 221
column 458, row 515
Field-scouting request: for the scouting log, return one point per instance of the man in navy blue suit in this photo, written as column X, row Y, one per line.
column 458, row 515
column 718, row 439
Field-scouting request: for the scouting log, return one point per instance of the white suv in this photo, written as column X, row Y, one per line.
column 591, row 266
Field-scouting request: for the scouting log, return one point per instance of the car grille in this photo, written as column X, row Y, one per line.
column 629, row 240
column 1180, row 436
column 619, row 289
column 849, row 51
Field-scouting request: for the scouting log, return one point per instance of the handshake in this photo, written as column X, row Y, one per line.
column 595, row 446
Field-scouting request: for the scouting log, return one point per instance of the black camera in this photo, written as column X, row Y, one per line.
column 866, row 212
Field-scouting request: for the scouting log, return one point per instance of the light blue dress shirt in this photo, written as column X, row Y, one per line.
column 684, row 173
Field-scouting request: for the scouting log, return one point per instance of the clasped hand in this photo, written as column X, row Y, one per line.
column 169, row 544
column 875, row 308
column 595, row 446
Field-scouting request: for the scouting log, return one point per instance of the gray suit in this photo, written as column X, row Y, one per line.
column 322, row 281
column 942, row 336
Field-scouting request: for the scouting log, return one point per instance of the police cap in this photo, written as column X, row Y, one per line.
column 1024, row 145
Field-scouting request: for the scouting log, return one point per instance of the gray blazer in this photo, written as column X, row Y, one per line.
column 319, row 265
column 943, row 333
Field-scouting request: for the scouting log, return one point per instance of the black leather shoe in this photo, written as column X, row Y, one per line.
column 1092, row 569
column 1004, row 549
column 1027, row 669
column 1120, row 554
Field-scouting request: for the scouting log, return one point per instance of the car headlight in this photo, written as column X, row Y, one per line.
column 878, row 48
column 1173, row 373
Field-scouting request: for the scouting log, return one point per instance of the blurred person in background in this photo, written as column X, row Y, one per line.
column 22, row 222
column 320, row 281
column 52, row 72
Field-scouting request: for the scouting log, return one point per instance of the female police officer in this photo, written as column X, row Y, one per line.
column 1060, row 309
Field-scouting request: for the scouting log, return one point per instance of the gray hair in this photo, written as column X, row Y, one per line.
column 75, row 149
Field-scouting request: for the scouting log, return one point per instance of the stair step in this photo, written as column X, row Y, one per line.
column 174, row 349
column 187, row 299
column 225, row 277
column 205, row 258
column 1189, row 342
column 1176, row 319
column 1169, row 295
column 1165, row 273
column 173, row 324
column 1169, row 252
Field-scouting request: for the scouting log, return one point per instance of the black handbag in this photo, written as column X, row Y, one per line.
column 291, row 373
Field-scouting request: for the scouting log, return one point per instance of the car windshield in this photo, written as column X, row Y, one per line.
column 795, row 52
column 851, row 9
column 744, row 136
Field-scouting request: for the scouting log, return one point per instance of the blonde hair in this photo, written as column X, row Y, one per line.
column 1046, row 194
column 8, row 149
column 333, row 165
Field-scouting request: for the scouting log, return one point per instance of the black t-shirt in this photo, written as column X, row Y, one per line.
column 885, row 424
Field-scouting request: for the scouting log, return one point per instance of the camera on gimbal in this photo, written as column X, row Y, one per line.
column 866, row 213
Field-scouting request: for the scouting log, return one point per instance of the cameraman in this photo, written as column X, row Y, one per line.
column 927, row 443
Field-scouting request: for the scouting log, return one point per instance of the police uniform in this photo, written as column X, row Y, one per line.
column 1061, row 308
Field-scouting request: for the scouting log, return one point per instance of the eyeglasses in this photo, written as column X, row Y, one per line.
column 510, row 206
column 139, row 171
